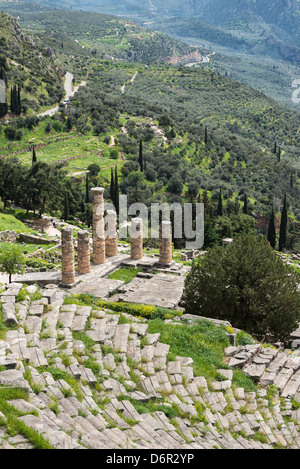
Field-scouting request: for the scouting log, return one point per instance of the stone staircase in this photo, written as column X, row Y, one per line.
column 133, row 396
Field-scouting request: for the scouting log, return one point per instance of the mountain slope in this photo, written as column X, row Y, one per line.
column 281, row 13
column 243, row 124
column 28, row 65
column 254, row 45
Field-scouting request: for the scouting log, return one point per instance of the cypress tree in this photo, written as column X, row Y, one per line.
column 88, row 215
column 245, row 208
column 3, row 109
column 116, row 191
column 279, row 154
column 272, row 230
column 18, row 100
column 14, row 101
column 87, row 191
column 112, row 187
column 12, row 107
column 33, row 155
column 283, row 225
column 207, row 205
column 141, row 156
column 66, row 207
column 205, row 135
column 220, row 205
column 275, row 148
column 82, row 206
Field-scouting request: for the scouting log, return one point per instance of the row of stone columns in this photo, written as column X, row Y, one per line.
column 105, row 241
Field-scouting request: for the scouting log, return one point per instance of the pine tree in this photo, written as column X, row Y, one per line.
column 141, row 156
column 283, row 225
column 245, row 208
column 272, row 230
column 220, row 205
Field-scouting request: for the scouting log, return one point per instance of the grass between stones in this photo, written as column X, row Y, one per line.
column 15, row 426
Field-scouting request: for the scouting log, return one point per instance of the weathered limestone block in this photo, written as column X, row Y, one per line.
column 83, row 250
column 134, row 350
column 111, row 240
column 292, row 385
column 99, row 256
column 6, row 358
column 98, row 331
column 136, row 239
column 36, row 310
column 254, row 371
column 109, row 362
column 37, row 357
column 139, row 329
column 121, row 337
column 33, row 324
column 67, row 256
column 9, row 317
column 165, row 248
column 14, row 378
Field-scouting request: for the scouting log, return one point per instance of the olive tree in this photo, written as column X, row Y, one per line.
column 12, row 261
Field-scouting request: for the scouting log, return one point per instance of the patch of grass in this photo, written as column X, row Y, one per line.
column 9, row 222
column 125, row 274
column 240, row 380
column 204, row 342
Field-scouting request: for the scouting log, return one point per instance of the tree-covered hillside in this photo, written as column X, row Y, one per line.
column 175, row 133
column 252, row 142
column 29, row 66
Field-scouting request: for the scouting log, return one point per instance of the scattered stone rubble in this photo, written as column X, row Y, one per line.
column 134, row 368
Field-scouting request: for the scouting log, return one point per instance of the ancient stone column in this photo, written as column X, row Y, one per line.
column 165, row 248
column 98, row 226
column 67, row 256
column 111, row 240
column 136, row 238
column 83, row 251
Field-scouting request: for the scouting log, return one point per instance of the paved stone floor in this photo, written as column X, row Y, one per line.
column 158, row 287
